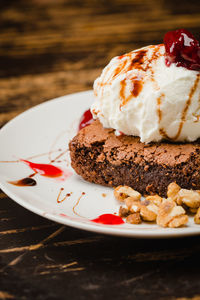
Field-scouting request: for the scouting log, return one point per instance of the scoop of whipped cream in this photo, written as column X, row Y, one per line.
column 137, row 94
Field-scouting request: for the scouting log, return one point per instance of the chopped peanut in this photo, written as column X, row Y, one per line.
column 197, row 217
column 147, row 213
column 178, row 221
column 166, row 212
column 123, row 212
column 123, row 192
column 134, row 218
column 149, row 208
column 133, row 205
column 170, row 215
column 190, row 198
column 155, row 199
column 172, row 191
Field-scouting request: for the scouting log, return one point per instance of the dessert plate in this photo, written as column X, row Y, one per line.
column 41, row 135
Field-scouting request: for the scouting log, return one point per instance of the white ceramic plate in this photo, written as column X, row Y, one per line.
column 41, row 134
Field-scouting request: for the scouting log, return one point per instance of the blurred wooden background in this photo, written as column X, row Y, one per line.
column 49, row 48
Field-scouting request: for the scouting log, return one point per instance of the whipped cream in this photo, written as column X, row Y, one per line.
column 137, row 94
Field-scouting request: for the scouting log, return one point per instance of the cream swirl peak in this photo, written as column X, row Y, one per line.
column 139, row 95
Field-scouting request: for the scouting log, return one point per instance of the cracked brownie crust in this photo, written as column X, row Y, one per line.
column 99, row 156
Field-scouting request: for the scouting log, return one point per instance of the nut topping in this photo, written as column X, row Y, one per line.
column 168, row 212
column 190, row 198
column 197, row 217
column 123, row 192
column 171, row 215
column 134, row 218
column 172, row 191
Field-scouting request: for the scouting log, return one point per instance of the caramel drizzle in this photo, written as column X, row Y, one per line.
column 59, row 196
column 59, row 156
column 123, row 67
column 138, row 63
column 120, row 69
column 195, row 114
column 77, row 203
column 184, row 112
column 122, row 92
column 159, row 111
column 137, row 87
column 127, row 65
column 29, row 158
column 154, row 57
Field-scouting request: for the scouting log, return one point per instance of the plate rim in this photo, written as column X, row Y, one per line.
column 89, row 226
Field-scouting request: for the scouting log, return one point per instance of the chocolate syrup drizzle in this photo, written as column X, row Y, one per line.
column 139, row 62
column 128, row 63
column 27, row 181
column 183, row 115
column 77, row 203
column 59, row 200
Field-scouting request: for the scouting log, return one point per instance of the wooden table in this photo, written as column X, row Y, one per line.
column 49, row 49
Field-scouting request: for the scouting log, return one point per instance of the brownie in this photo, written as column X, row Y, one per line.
column 99, row 156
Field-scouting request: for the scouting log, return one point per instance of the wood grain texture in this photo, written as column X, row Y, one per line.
column 52, row 48
column 48, row 49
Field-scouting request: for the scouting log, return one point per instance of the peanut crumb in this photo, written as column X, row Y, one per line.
column 197, row 217
column 190, row 198
column 123, row 192
column 147, row 214
column 134, row 218
column 171, row 215
column 123, row 212
column 172, row 191
column 168, row 212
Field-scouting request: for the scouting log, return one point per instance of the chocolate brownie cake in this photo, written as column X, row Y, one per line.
column 151, row 95
column 99, row 156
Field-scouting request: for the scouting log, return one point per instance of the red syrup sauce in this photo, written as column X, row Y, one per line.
column 86, row 119
column 183, row 49
column 108, row 219
column 47, row 170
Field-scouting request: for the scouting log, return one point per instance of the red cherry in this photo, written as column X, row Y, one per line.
column 86, row 119
column 183, row 49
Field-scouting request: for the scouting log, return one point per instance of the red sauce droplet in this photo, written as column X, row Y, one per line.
column 86, row 119
column 24, row 182
column 44, row 169
column 121, row 133
column 63, row 215
column 108, row 219
column 183, row 49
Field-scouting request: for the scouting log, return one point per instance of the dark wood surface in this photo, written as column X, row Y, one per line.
column 48, row 49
